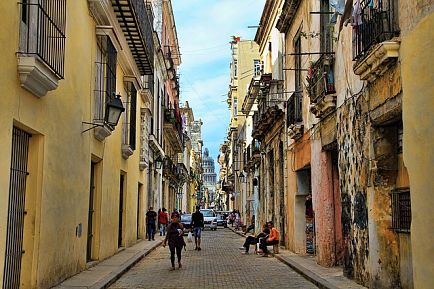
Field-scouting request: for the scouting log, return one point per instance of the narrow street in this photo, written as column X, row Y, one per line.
column 220, row 264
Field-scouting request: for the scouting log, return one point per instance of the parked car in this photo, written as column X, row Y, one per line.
column 209, row 218
column 222, row 220
column 186, row 222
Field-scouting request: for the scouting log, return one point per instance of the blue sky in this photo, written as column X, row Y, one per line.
column 204, row 30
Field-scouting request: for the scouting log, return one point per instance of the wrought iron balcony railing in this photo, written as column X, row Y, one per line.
column 137, row 24
column 321, row 78
column 43, row 33
column 378, row 23
column 295, row 108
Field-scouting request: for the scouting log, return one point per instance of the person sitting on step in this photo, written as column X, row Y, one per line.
column 273, row 239
column 253, row 240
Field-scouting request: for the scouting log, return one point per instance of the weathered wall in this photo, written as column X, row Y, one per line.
column 416, row 68
column 326, row 206
column 353, row 171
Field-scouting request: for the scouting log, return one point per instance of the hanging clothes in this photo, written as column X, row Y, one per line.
column 357, row 14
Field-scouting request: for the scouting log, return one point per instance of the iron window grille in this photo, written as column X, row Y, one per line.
column 105, row 86
column 130, row 104
column 294, row 108
column 401, row 211
column 378, row 23
column 42, row 32
column 16, row 208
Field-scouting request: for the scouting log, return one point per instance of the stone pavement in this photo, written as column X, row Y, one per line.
column 323, row 277
column 220, row 264
column 106, row 272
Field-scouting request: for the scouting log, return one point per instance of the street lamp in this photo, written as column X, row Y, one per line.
column 113, row 110
column 158, row 163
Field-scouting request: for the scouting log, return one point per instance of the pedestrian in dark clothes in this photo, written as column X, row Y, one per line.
column 175, row 238
column 151, row 217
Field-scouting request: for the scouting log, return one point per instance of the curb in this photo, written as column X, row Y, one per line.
column 115, row 275
column 308, row 275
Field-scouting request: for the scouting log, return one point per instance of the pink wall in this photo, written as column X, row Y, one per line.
column 326, row 204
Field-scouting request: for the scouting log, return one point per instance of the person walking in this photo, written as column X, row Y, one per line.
column 272, row 239
column 163, row 220
column 197, row 227
column 174, row 237
column 151, row 217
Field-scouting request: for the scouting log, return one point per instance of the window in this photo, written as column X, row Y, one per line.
column 297, row 51
column 401, row 211
column 105, row 86
column 42, row 32
column 235, row 68
column 257, row 67
column 400, row 133
column 325, row 36
column 130, row 104
column 235, row 107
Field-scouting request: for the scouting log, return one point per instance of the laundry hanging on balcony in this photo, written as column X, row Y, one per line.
column 357, row 14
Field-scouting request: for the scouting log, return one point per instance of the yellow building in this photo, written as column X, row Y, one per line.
column 74, row 184
column 244, row 65
column 417, row 38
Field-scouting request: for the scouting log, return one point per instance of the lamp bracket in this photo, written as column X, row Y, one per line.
column 94, row 125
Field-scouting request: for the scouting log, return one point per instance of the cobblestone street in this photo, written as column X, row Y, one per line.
column 220, row 264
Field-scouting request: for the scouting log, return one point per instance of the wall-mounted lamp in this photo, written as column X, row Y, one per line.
column 158, row 163
column 113, row 111
column 242, row 177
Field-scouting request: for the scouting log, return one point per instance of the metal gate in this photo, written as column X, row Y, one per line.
column 15, row 223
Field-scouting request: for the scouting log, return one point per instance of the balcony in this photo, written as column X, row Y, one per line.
column 321, row 86
column 252, row 155
column 41, row 55
column 295, row 115
column 270, row 106
column 173, row 128
column 135, row 19
column 374, row 46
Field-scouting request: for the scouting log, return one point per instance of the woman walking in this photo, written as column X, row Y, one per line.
column 174, row 236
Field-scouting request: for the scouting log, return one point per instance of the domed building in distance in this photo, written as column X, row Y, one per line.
column 209, row 179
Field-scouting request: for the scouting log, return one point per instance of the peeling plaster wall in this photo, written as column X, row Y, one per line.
column 368, row 170
column 353, row 169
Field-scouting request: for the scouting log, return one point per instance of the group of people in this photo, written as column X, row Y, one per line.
column 151, row 218
column 174, row 231
column 269, row 236
column 235, row 218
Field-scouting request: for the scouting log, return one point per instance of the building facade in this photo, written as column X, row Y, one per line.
column 335, row 167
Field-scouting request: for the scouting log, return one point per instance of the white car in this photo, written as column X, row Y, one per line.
column 209, row 219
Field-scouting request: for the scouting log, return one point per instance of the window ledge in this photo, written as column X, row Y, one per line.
column 103, row 131
column 295, row 131
column 377, row 61
column 127, row 151
column 143, row 164
column 35, row 76
column 324, row 106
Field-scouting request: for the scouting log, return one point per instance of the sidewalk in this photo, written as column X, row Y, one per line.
column 323, row 277
column 108, row 271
